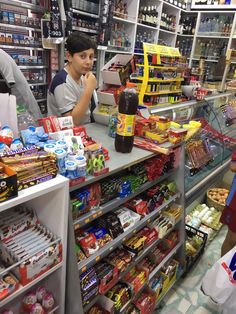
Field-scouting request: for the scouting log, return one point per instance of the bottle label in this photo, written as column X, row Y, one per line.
column 125, row 126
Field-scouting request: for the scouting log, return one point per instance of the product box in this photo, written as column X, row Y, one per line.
column 2, row 38
column 108, row 95
column 33, row 267
column 8, row 284
column 8, row 185
column 146, row 301
column 116, row 77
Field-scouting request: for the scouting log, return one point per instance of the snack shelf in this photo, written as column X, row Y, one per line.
column 103, row 209
column 166, row 292
column 163, row 92
column 35, row 192
column 168, row 256
column 96, row 16
column 134, row 263
column 20, row 27
column 82, row 29
column 160, row 67
column 155, row 80
column 117, row 161
column 90, row 261
column 31, row 67
column 23, row 289
column 23, row 4
column 21, row 47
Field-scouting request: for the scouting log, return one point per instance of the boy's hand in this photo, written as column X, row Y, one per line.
column 90, row 81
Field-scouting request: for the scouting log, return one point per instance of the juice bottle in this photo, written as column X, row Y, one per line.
column 127, row 107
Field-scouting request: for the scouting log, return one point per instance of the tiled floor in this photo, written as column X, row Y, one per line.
column 186, row 297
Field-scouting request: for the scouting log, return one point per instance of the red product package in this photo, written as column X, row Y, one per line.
column 150, row 234
column 138, row 205
column 89, row 244
column 94, row 195
column 50, row 124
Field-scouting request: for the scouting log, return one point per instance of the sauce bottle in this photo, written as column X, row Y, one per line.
column 127, row 107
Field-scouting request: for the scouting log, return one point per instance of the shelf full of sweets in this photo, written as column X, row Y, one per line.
column 126, row 212
column 161, row 73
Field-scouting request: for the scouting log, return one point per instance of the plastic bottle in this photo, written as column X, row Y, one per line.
column 24, row 119
column 128, row 102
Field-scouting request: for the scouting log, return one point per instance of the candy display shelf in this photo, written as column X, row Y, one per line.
column 93, row 259
column 102, row 210
column 116, row 163
column 50, row 201
column 215, row 116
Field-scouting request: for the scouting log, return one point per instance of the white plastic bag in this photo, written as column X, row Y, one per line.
column 219, row 283
column 8, row 114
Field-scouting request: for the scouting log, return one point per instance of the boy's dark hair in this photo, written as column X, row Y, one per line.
column 77, row 42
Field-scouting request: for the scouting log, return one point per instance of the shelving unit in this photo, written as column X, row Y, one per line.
column 50, row 201
column 116, row 163
column 21, row 30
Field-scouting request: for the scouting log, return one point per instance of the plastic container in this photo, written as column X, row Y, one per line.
column 81, row 166
column 61, row 160
column 71, row 169
column 49, row 148
column 62, row 144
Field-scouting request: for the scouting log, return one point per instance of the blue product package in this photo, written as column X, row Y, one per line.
column 61, row 160
column 71, row 169
column 5, row 17
column 11, row 18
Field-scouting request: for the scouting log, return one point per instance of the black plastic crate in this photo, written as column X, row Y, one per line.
column 191, row 232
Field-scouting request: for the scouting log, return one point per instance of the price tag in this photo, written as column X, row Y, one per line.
column 87, row 220
column 95, row 215
column 84, row 269
column 124, row 239
column 100, row 213
column 150, row 48
column 149, row 220
column 111, row 248
column 134, row 231
column 98, row 258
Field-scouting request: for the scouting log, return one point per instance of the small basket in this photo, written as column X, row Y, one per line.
column 191, row 232
column 213, row 203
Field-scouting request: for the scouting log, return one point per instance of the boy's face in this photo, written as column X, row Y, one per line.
column 82, row 62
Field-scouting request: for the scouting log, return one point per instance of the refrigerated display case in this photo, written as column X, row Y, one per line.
column 217, row 136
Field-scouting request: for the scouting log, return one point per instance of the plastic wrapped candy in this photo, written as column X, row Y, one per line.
column 3, row 148
column 16, row 144
column 29, row 300
column 6, row 135
column 41, row 292
column 37, row 309
column 48, row 301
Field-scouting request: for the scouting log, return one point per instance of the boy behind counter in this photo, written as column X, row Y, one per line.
column 71, row 90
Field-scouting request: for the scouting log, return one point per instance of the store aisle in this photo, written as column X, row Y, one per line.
column 186, row 297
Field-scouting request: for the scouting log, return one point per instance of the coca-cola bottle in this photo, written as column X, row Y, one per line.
column 127, row 107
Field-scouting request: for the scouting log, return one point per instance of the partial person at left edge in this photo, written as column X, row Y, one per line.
column 18, row 85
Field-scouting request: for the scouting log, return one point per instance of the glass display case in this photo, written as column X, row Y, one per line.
column 209, row 149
